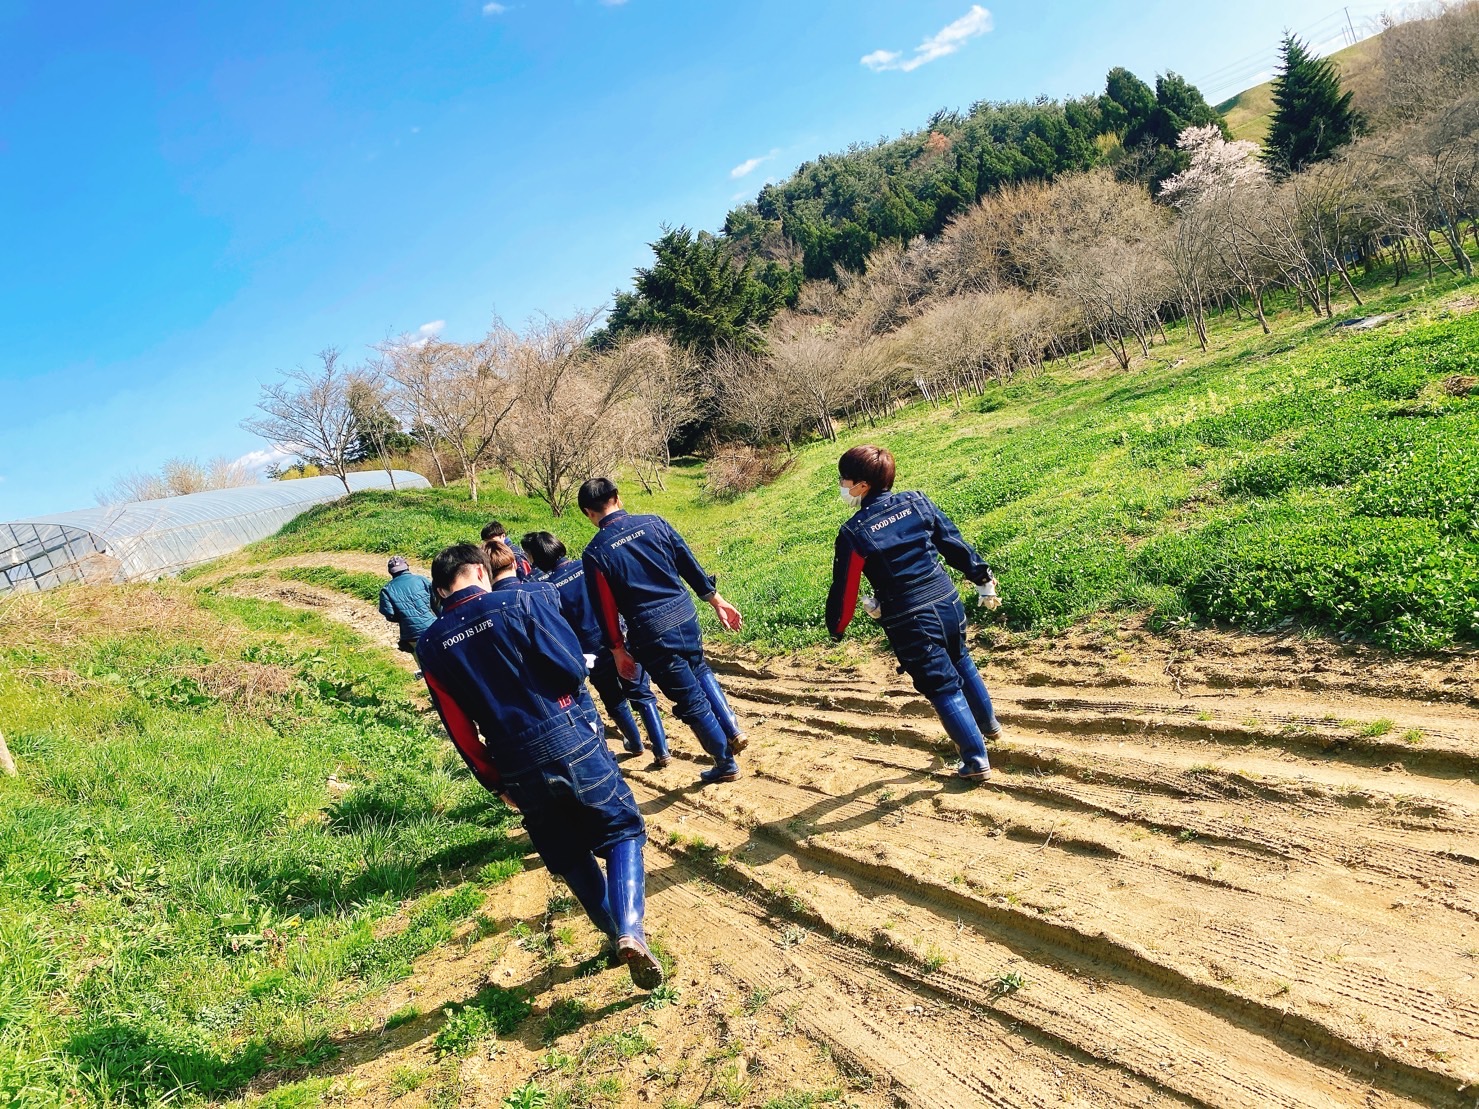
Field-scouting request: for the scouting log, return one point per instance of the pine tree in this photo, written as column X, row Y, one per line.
column 1312, row 116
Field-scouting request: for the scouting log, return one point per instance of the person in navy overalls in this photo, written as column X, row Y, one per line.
column 639, row 568
column 551, row 562
column 502, row 660
column 897, row 540
column 495, row 532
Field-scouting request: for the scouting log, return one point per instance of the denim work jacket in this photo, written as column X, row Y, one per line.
column 896, row 540
column 505, row 662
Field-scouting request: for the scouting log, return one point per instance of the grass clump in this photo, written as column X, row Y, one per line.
column 565, row 1016
column 492, row 1011
column 353, row 583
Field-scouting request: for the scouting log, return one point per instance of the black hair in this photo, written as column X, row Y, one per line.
column 596, row 494
column 448, row 565
column 544, row 550
column 493, row 530
column 875, row 465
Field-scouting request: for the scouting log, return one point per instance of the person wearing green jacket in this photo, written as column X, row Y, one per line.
column 406, row 600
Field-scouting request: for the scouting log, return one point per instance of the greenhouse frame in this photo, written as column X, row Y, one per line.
column 144, row 540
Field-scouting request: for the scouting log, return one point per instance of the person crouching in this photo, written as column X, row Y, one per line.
column 502, row 660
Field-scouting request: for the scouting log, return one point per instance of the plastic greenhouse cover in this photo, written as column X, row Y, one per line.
column 144, row 540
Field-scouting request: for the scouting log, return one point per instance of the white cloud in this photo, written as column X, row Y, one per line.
column 494, row 8
column 256, row 462
column 942, row 43
column 880, row 59
column 750, row 165
column 432, row 328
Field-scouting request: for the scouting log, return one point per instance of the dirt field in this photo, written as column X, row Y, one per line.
column 1209, row 870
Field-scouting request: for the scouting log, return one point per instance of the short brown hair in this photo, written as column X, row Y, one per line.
column 875, row 465
column 500, row 556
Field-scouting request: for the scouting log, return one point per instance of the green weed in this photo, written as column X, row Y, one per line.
column 565, row 1016
column 492, row 1011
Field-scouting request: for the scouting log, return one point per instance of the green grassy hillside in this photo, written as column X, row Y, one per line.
column 1322, row 475
column 188, row 896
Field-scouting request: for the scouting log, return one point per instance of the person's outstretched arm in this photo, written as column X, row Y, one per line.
column 955, row 550
column 705, row 585
column 847, row 577
column 387, row 606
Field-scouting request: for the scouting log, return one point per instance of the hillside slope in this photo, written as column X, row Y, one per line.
column 1249, row 113
column 1326, row 475
column 1183, row 887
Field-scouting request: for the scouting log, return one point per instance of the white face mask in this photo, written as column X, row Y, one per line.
column 848, row 497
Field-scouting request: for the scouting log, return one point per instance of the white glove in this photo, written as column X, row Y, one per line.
column 590, row 662
column 986, row 594
column 871, row 606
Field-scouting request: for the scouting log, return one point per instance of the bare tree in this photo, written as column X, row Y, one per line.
column 753, row 398
column 809, row 357
column 461, row 391
column 666, row 381
column 559, row 432
column 177, row 477
column 370, row 399
column 1100, row 245
column 308, row 413
column 1426, row 61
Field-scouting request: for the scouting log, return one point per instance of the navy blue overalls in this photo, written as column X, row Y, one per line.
column 504, row 662
column 616, row 693
column 639, row 567
column 896, row 540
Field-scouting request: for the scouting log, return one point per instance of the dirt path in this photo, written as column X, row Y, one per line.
column 1215, row 870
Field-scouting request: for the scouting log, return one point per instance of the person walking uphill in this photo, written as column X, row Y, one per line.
column 619, row 696
column 406, row 600
column 501, row 660
column 896, row 540
column 639, row 567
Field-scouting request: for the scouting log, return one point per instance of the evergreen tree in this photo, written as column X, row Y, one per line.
column 1179, row 105
column 698, row 293
column 1312, row 116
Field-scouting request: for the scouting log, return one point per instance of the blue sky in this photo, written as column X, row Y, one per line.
column 193, row 196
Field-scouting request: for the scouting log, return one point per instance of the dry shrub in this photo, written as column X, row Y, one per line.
column 738, row 468
column 1460, row 385
column 74, row 613
column 242, row 685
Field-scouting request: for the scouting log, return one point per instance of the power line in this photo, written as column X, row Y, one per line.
column 1334, row 30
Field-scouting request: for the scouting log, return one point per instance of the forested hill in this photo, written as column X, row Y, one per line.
column 839, row 207
column 833, row 212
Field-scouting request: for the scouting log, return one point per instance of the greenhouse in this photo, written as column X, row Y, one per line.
column 145, row 540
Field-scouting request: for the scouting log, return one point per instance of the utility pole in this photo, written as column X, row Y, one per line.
column 1349, row 26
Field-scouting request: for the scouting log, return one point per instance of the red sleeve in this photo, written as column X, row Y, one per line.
column 464, row 735
column 606, row 609
column 848, row 602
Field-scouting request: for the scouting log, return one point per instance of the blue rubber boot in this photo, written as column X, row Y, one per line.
column 738, row 741
column 960, row 726
column 974, row 688
column 590, row 888
column 711, row 738
column 657, row 735
column 627, row 892
column 626, row 723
